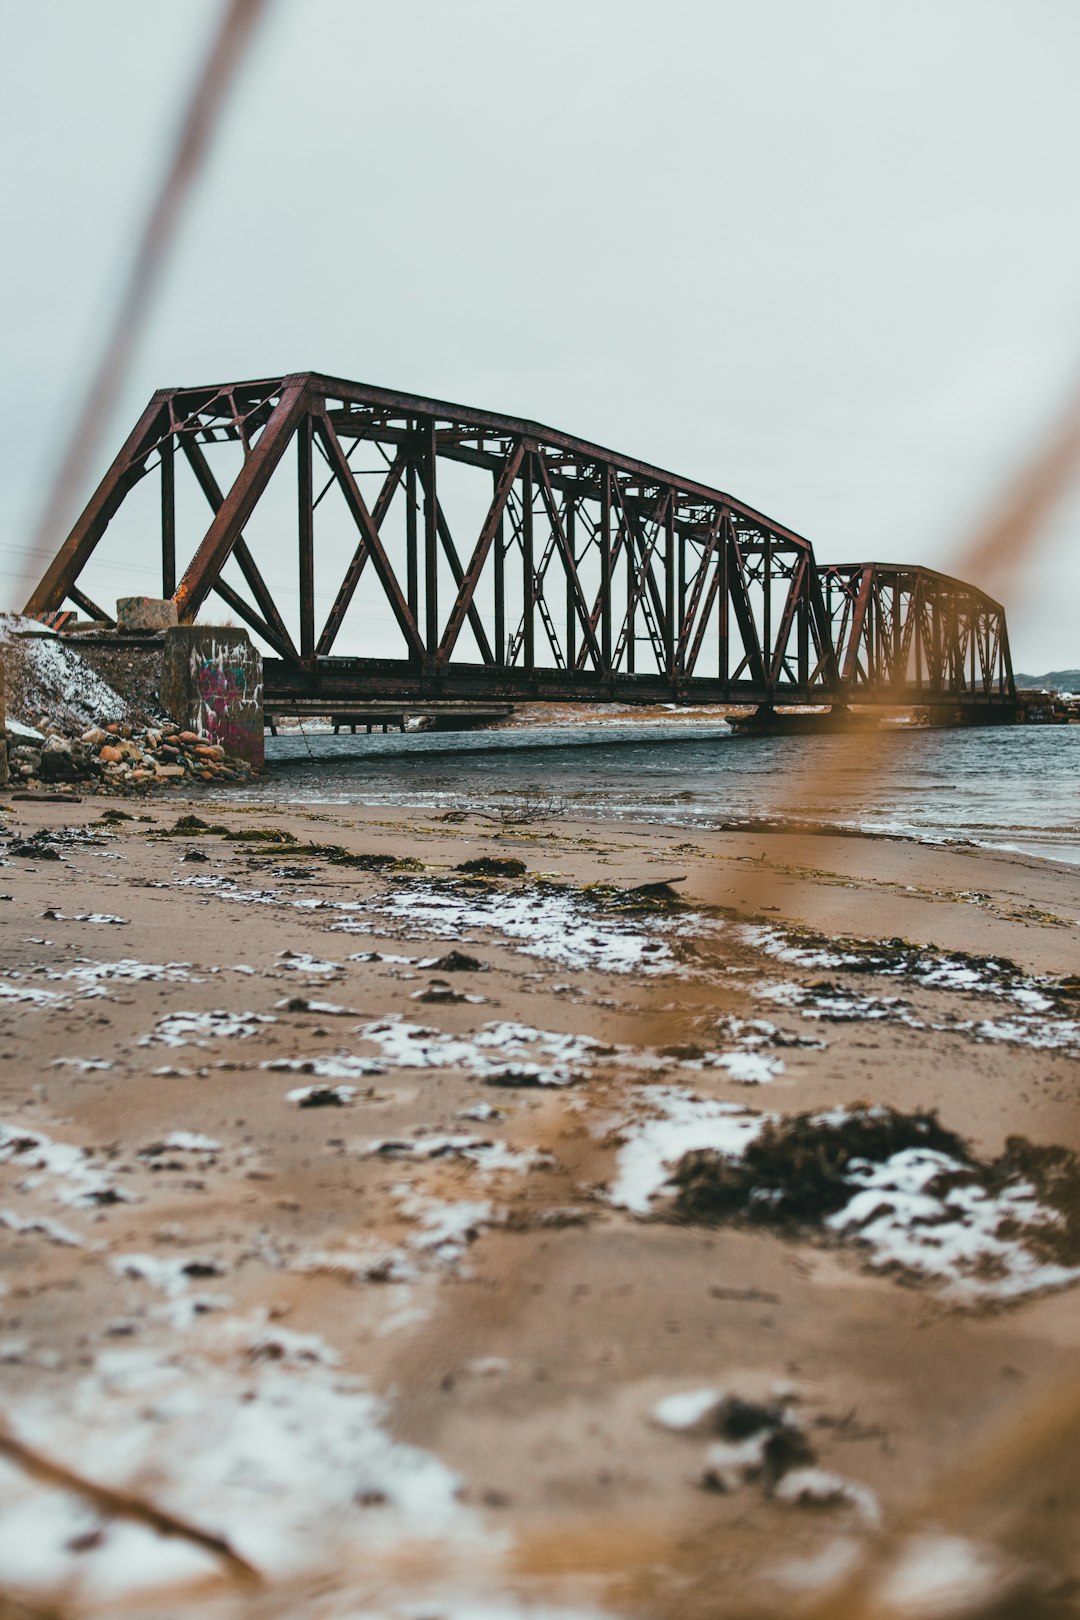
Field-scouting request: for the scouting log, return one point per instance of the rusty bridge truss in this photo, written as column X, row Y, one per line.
column 474, row 556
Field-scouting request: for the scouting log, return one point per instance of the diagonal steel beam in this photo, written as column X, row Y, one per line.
column 363, row 520
column 643, row 573
column 706, row 610
column 476, row 623
column 245, row 561
column 88, row 605
column 563, row 546
column 128, row 467
column 795, row 600
column 284, row 650
column 356, row 566
column 471, row 578
column 700, row 575
column 744, row 614
column 239, row 503
column 858, row 622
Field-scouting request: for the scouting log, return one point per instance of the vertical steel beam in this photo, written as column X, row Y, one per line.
column 669, row 586
column 306, row 539
column 168, row 515
column 802, row 631
column 428, row 459
column 570, row 564
column 528, row 563
column 499, row 544
column 412, row 560
column 678, row 655
column 766, row 611
column 631, row 588
column 605, row 572
column 723, row 562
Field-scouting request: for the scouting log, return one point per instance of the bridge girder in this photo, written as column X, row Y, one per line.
column 578, row 574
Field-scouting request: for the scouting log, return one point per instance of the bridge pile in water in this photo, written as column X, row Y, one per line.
column 481, row 558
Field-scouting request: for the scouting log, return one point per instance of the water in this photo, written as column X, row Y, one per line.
column 1014, row 787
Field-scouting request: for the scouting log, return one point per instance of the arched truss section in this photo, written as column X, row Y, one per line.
column 562, row 572
column 910, row 635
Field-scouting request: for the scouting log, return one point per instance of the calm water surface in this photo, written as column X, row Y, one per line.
column 1016, row 787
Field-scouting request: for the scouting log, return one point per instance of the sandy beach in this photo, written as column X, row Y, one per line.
column 339, row 1218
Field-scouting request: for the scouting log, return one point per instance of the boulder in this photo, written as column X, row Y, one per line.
column 59, row 761
column 145, row 613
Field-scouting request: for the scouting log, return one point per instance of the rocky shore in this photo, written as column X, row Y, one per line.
column 118, row 759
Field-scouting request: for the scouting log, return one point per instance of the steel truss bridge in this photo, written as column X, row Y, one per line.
column 503, row 560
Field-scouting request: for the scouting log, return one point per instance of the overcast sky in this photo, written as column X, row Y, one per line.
column 824, row 254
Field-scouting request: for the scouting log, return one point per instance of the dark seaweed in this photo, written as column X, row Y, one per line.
column 795, row 1172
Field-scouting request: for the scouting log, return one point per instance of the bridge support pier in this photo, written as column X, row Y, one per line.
column 840, row 720
column 212, row 683
column 769, row 722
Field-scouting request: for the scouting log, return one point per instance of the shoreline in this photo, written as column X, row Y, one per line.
column 302, row 1103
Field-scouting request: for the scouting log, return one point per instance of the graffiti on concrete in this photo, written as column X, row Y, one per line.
column 226, row 677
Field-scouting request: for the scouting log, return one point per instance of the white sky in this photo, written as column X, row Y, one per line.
column 824, row 254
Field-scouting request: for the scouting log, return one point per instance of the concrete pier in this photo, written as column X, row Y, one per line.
column 212, row 684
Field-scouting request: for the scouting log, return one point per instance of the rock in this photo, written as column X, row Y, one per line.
column 110, row 755
column 171, row 772
column 94, row 737
column 209, row 751
column 59, row 762
column 145, row 613
column 188, row 737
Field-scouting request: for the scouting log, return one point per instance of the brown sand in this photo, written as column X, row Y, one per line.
column 531, row 1362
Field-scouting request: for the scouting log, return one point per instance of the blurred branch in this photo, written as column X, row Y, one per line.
column 198, row 126
column 121, row 1504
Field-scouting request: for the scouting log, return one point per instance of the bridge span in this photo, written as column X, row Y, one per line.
column 385, row 546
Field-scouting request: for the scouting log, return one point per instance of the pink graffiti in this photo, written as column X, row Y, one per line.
column 222, row 692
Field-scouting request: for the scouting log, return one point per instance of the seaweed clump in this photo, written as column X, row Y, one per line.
column 272, row 839
column 779, row 1443
column 797, row 1171
column 494, row 866
column 641, row 900
column 193, row 827
column 1054, row 1173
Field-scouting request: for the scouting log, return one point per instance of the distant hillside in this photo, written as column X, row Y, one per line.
column 1063, row 680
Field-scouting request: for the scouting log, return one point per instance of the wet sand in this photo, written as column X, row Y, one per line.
column 402, row 1341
